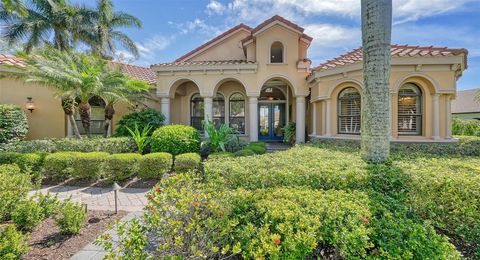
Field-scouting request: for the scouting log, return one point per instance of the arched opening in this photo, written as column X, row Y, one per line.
column 97, row 116
column 237, row 112
column 276, row 52
column 218, row 109
column 197, row 108
column 348, row 112
column 410, row 116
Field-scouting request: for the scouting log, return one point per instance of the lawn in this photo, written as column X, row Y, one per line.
column 319, row 200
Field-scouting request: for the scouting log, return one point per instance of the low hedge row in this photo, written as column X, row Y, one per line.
column 96, row 144
column 14, row 187
column 187, row 162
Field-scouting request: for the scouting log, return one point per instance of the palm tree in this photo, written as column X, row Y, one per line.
column 15, row 6
column 41, row 19
column 376, row 37
column 103, row 35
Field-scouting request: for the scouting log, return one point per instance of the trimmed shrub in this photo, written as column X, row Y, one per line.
column 235, row 145
column 220, row 155
column 155, row 165
column 176, row 139
column 244, row 152
column 257, row 149
column 48, row 203
column 88, row 165
column 93, row 144
column 71, row 218
column 13, row 123
column 58, row 166
column 14, row 187
column 27, row 214
column 29, row 163
column 13, row 244
column 259, row 143
column 143, row 118
column 187, row 162
column 119, row 167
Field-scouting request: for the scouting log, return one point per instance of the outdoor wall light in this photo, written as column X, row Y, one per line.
column 30, row 105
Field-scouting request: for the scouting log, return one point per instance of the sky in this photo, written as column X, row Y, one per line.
column 172, row 28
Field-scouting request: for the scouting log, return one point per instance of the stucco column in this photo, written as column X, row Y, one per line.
column 208, row 108
column 448, row 114
column 253, row 118
column 314, row 118
column 165, row 109
column 300, row 118
column 436, row 116
column 328, row 131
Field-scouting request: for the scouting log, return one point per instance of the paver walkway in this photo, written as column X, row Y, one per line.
column 98, row 198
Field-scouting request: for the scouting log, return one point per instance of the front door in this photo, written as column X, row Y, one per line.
column 271, row 121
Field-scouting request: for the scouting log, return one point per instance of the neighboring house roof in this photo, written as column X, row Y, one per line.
column 138, row 72
column 216, row 62
column 356, row 55
column 465, row 102
column 210, row 43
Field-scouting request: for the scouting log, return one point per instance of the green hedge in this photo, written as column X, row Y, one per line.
column 119, row 167
column 94, row 144
column 13, row 123
column 220, row 155
column 28, row 162
column 244, row 152
column 14, row 187
column 465, row 127
column 257, row 149
column 187, row 162
column 155, row 165
column 13, row 244
column 88, row 165
column 147, row 116
column 58, row 166
column 176, row 139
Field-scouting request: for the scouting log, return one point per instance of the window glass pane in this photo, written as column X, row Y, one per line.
column 409, row 110
column 97, row 116
column 197, row 111
column 237, row 112
column 349, row 111
column 276, row 53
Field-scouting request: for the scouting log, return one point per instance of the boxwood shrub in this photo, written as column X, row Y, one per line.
column 187, row 162
column 244, row 152
column 27, row 214
column 13, row 123
column 28, row 162
column 155, row 165
column 14, row 187
column 13, row 244
column 88, row 165
column 257, row 149
column 176, row 139
column 147, row 116
column 220, row 155
column 58, row 166
column 119, row 167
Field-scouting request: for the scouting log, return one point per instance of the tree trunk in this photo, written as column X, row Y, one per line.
column 376, row 37
column 84, row 110
column 109, row 112
column 68, row 105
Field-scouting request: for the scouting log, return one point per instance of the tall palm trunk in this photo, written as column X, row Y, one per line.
column 376, row 37
column 68, row 105
column 84, row 111
column 109, row 112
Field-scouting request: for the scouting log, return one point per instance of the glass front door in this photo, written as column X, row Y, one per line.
column 271, row 121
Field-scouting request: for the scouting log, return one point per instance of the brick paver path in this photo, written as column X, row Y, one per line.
column 98, row 198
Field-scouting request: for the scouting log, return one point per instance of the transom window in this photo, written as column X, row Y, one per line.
column 410, row 110
column 276, row 53
column 97, row 116
column 197, row 109
column 218, row 110
column 237, row 112
column 349, row 108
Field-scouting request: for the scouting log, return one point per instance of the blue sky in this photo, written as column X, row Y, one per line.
column 171, row 28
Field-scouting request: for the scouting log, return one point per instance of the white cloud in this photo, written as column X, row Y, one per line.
column 215, row 7
column 199, row 25
column 149, row 50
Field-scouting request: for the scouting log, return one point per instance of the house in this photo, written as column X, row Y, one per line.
column 259, row 79
column 466, row 106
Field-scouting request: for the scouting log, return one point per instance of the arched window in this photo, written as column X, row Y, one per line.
column 349, row 107
column 276, row 53
column 218, row 109
column 97, row 116
column 196, row 111
column 237, row 112
column 409, row 110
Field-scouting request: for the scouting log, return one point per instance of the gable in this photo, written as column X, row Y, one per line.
column 229, row 48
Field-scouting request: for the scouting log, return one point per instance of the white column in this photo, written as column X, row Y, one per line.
column 208, row 108
column 165, row 109
column 328, row 131
column 436, row 116
column 253, row 118
column 448, row 113
column 300, row 117
column 314, row 118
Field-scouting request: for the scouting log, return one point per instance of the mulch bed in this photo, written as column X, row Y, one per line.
column 46, row 242
column 468, row 250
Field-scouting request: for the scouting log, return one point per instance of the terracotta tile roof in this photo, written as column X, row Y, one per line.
column 138, row 72
column 233, row 29
column 465, row 102
column 10, row 60
column 204, row 63
column 356, row 55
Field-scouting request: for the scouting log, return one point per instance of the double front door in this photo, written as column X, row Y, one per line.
column 271, row 121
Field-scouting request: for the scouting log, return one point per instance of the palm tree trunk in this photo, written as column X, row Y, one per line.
column 376, row 36
column 109, row 112
column 74, row 126
column 84, row 109
column 68, row 105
